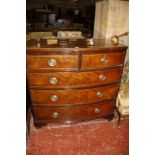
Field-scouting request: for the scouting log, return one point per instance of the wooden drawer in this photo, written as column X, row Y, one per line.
column 74, row 79
column 53, row 62
column 74, row 96
column 102, row 60
column 73, row 113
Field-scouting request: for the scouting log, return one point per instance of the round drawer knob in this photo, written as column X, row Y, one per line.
column 97, row 110
column 102, row 77
column 53, row 80
column 54, row 98
column 104, row 60
column 52, row 62
column 99, row 94
column 55, row 115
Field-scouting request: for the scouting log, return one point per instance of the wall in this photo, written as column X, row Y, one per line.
column 111, row 18
column 118, row 18
column 101, row 17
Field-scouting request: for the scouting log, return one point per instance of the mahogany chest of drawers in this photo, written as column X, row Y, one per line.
column 73, row 83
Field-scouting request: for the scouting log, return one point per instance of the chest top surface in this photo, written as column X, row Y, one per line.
column 72, row 46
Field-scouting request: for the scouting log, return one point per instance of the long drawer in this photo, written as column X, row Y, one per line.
column 74, row 96
column 102, row 60
column 73, row 113
column 74, row 79
column 59, row 62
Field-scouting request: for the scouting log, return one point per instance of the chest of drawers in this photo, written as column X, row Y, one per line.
column 73, row 83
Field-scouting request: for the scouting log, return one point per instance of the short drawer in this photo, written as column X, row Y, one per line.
column 73, row 113
column 102, row 60
column 52, row 62
column 74, row 79
column 74, row 96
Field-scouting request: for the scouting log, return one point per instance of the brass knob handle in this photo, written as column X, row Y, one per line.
column 52, row 62
column 97, row 110
column 53, row 80
column 99, row 94
column 55, row 115
column 102, row 77
column 54, row 98
column 104, row 60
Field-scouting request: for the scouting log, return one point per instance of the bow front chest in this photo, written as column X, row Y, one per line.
column 74, row 82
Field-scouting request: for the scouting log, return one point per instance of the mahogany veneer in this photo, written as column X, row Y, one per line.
column 74, row 96
column 67, row 62
column 73, row 83
column 74, row 79
column 74, row 113
column 112, row 59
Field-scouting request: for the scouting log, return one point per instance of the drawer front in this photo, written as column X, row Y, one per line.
column 53, row 62
column 74, row 79
column 74, row 96
column 74, row 113
column 102, row 60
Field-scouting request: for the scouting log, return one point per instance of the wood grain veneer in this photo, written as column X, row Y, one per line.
column 62, row 62
column 74, row 79
column 95, row 60
column 76, row 97
column 74, row 113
